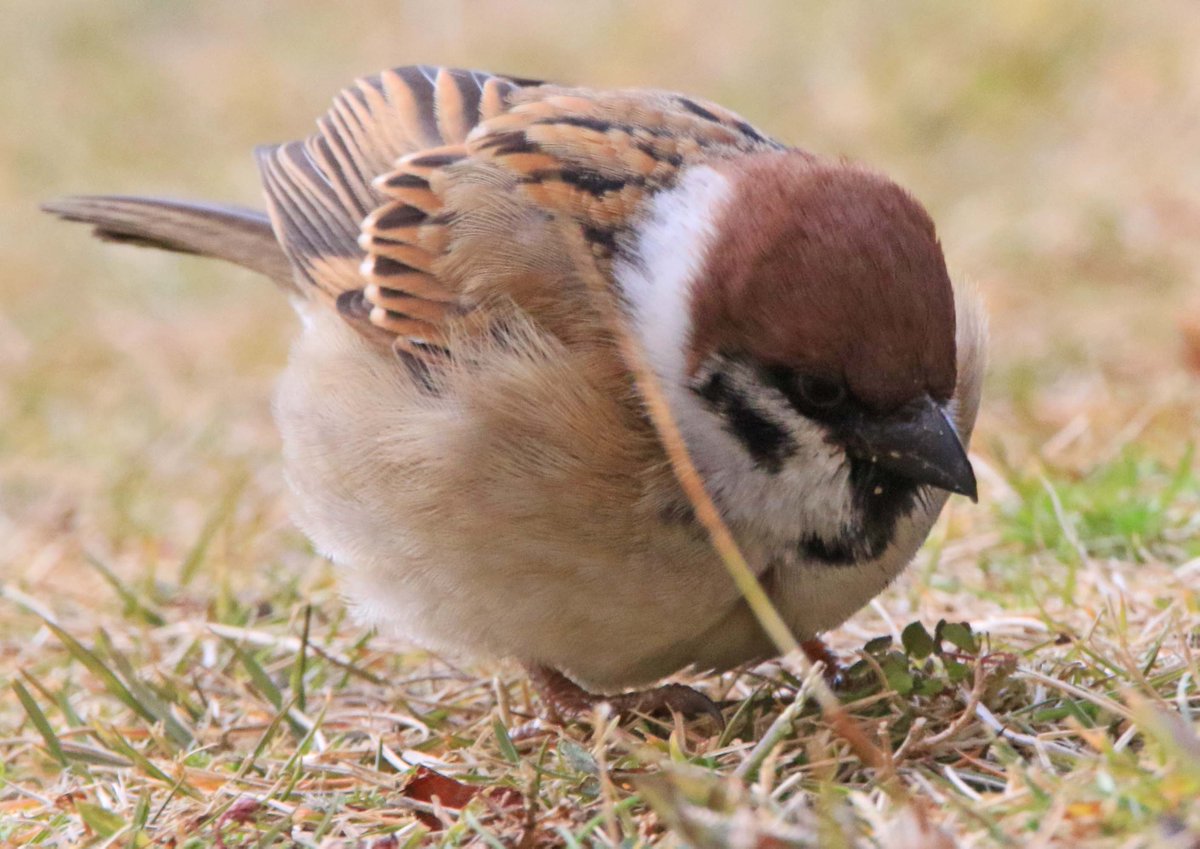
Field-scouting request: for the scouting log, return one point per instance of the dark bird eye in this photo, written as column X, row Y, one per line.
column 822, row 393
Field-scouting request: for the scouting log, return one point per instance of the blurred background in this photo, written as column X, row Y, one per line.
column 1056, row 145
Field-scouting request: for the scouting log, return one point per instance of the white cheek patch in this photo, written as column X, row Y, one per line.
column 674, row 238
column 808, row 495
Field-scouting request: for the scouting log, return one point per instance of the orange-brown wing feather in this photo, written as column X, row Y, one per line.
column 594, row 157
column 588, row 157
column 360, row 206
column 320, row 190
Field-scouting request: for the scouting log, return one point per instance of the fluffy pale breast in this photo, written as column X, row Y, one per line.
column 513, row 511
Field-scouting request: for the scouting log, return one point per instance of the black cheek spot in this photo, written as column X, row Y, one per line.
column 713, row 390
column 768, row 443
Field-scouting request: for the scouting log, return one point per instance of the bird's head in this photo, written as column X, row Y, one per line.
column 801, row 318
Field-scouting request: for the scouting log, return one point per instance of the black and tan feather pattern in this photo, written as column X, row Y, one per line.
column 594, row 157
column 581, row 155
column 319, row 191
column 361, row 207
column 312, row 226
column 404, row 236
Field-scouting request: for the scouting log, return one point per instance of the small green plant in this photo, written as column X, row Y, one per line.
column 1134, row 507
column 923, row 664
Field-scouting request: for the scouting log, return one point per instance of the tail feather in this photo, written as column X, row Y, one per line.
column 234, row 234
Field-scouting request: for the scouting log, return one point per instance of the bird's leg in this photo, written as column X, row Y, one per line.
column 566, row 698
column 816, row 651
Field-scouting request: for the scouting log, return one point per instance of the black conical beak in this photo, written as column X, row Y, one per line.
column 919, row 443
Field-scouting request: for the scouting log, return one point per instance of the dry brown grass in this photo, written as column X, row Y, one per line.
column 157, row 678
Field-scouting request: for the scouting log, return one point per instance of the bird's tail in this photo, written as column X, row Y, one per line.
column 234, row 234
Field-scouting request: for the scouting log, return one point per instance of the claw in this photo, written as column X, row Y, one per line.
column 817, row 652
column 566, row 698
column 672, row 697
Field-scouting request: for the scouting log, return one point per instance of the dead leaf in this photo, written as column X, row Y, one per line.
column 239, row 813
column 426, row 785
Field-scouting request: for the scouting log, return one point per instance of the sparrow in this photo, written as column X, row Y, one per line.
column 465, row 440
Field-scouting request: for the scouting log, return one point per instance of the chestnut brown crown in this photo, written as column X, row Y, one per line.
column 833, row 271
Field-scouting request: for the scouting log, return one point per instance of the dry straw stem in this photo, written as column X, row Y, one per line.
column 706, row 511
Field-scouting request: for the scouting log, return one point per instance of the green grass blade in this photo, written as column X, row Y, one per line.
column 258, row 676
column 114, row 684
column 145, row 693
column 101, row 820
column 40, row 723
column 504, row 742
column 298, row 668
column 113, row 739
column 134, row 606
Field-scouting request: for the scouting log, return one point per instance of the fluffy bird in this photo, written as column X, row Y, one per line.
column 462, row 435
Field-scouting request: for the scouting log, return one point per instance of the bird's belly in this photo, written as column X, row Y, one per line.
column 505, row 515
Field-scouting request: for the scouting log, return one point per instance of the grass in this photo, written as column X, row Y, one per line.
column 177, row 666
